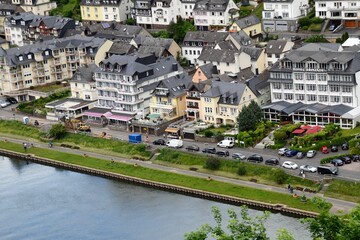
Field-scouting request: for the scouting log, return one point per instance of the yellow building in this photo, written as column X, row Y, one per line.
column 222, row 103
column 251, row 25
column 169, row 97
column 105, row 10
column 48, row 61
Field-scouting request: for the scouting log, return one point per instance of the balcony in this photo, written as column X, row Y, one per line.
column 57, row 70
column 72, row 60
column 192, row 106
column 194, row 97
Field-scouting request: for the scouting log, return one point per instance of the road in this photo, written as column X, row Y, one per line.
column 347, row 172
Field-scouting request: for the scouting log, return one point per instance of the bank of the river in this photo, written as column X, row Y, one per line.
column 215, row 190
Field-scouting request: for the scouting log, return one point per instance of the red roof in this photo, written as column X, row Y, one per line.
column 312, row 130
column 298, row 131
column 305, row 127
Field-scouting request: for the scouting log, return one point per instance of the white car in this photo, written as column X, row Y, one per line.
column 289, row 165
column 282, row 151
column 226, row 144
column 311, row 153
column 308, row 168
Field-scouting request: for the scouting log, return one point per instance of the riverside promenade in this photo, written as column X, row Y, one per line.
column 337, row 204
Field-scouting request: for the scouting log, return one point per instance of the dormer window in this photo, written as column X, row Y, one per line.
column 91, row 50
column 13, row 21
column 23, row 23
column 21, row 58
column 78, row 77
column 29, row 56
column 47, row 53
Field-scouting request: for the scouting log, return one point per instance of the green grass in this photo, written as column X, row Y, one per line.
column 315, row 27
column 167, row 177
column 67, row 8
column 258, row 10
column 229, row 168
column 350, row 132
column 48, row 88
column 218, row 130
column 345, row 190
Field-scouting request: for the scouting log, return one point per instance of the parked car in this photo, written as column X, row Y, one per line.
column 192, row 148
column 345, row 146
column 4, row 103
column 289, row 165
column 255, row 158
column 226, row 144
column 210, row 150
column 295, row 38
column 311, row 153
column 222, row 153
column 325, row 150
column 308, row 168
column 337, row 162
column 272, row 161
column 334, row 148
column 327, row 170
column 175, row 143
column 291, row 153
column 282, row 151
column 300, row 155
column 355, row 158
column 346, row 159
column 159, row 142
column 238, row 156
column 11, row 100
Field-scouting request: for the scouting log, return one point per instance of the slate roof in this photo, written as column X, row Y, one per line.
column 253, row 52
column 209, row 54
column 156, row 50
column 121, row 48
column 84, row 74
column 275, row 46
column 114, row 29
column 247, row 21
column 176, row 85
column 241, row 76
column 259, row 82
column 242, row 38
column 320, row 56
column 157, row 42
column 320, row 47
column 229, row 93
column 211, row 5
column 208, row 70
column 278, row 1
column 51, row 22
column 11, row 55
column 205, row 36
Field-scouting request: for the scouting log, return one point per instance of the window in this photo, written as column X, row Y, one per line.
column 322, row 88
column 208, row 109
column 311, row 97
column 298, row 76
column 323, row 98
column 310, row 76
column 321, row 77
column 334, row 99
column 207, row 99
column 311, row 87
column 300, row 97
column 277, row 96
column 299, row 86
column 288, row 86
column 26, row 65
column 21, row 58
column 322, row 4
column 347, row 99
column 334, row 88
column 347, row 89
column 87, row 97
column 276, row 85
column 288, row 96
column 186, row 52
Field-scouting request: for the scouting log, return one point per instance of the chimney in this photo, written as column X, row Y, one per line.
column 174, row 66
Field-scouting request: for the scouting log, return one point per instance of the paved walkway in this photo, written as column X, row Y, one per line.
column 337, row 204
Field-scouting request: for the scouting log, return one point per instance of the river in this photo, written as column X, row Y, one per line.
column 41, row 202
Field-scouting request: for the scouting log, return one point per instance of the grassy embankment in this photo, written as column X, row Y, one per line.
column 167, row 177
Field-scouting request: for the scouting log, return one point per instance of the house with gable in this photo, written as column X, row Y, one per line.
column 276, row 49
column 82, row 84
column 193, row 98
column 251, row 25
column 204, row 72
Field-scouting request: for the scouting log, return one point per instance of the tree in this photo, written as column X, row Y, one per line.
column 212, row 163
column 130, row 21
column 57, row 131
column 249, row 116
column 178, row 30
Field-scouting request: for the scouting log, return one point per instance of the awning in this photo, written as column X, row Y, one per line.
column 93, row 114
column 172, row 130
column 119, row 117
column 298, row 131
column 153, row 115
column 107, row 114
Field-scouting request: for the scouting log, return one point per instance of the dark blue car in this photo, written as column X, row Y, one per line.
column 291, row 153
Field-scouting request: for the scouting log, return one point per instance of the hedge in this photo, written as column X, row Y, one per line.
column 328, row 159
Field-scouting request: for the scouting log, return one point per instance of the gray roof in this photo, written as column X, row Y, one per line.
column 320, row 47
column 80, row 103
column 121, row 48
column 12, row 55
column 2, row 40
column 242, row 38
column 253, row 52
column 320, row 56
column 84, row 74
column 156, row 50
column 218, row 55
column 157, row 42
column 211, row 5
column 114, row 3
column 241, row 76
column 275, row 46
column 229, row 93
column 51, row 22
column 259, row 82
column 129, row 64
column 176, row 85
column 208, row 69
column 278, row 1
column 7, row 7
column 115, row 30
column 277, row 106
column 205, row 36
column 25, row 16
column 227, row 45
column 247, row 21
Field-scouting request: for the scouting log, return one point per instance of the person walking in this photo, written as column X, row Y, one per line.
column 25, row 146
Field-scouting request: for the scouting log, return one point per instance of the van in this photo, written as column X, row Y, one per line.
column 327, row 170
column 175, row 143
column 226, row 144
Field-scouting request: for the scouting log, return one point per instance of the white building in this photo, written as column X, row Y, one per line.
column 276, row 50
column 38, row 7
column 83, row 85
column 209, row 14
column 282, row 15
column 339, row 12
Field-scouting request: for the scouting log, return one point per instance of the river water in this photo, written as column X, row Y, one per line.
column 40, row 202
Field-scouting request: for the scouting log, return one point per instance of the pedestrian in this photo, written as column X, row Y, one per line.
column 25, row 146
column 289, row 186
column 303, row 175
column 291, row 190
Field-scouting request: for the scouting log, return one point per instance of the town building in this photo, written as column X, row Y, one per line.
column 168, row 98
column 193, row 99
column 324, row 80
column 38, row 7
column 282, row 15
column 26, row 28
column 204, row 72
column 125, row 83
column 214, row 15
column 5, row 11
column 48, row 61
column 105, row 10
column 222, row 103
column 251, row 25
column 345, row 13
column 276, row 49
column 83, row 85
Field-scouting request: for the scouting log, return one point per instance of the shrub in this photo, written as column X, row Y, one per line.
column 279, row 176
column 208, row 133
column 328, row 159
column 317, row 20
column 280, row 135
column 57, row 131
column 241, row 170
column 305, row 21
column 212, row 163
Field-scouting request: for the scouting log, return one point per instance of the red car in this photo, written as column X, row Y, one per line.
column 325, row 149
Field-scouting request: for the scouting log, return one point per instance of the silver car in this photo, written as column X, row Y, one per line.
column 4, row 103
column 311, row 153
column 308, row 168
column 239, row 156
